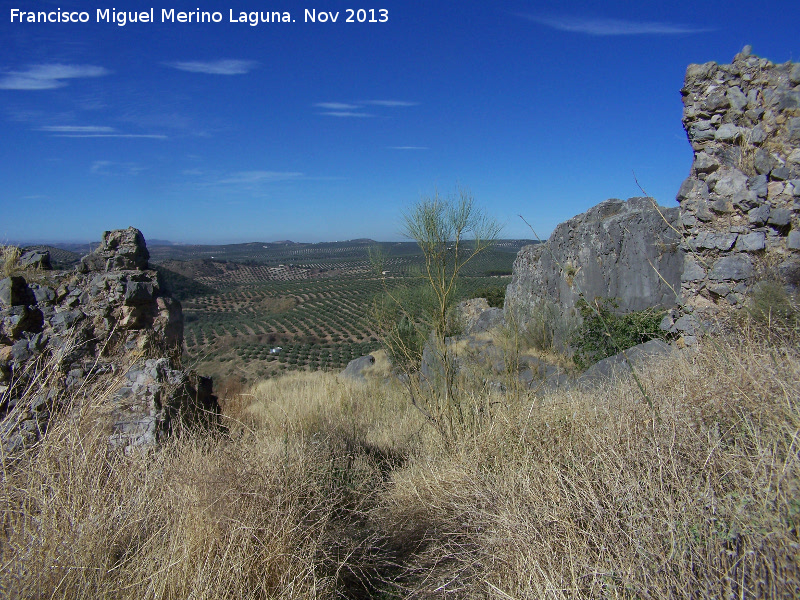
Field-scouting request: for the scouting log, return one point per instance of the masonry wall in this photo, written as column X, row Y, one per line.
column 740, row 205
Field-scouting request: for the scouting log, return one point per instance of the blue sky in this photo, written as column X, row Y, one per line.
column 227, row 132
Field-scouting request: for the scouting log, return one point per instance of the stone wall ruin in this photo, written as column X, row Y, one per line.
column 62, row 331
column 740, row 203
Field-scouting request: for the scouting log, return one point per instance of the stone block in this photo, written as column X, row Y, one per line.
column 758, row 185
column 727, row 132
column 752, row 242
column 735, row 267
column 14, row 291
column 35, row 259
column 692, row 270
column 704, row 163
column 759, row 215
column 779, row 217
column 780, row 173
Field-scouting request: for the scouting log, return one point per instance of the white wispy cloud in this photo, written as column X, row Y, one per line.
column 356, row 109
column 76, row 129
column 113, row 169
column 609, row 27
column 391, row 103
column 151, row 136
column 345, row 113
column 408, row 148
column 337, row 106
column 254, row 177
column 215, row 67
column 47, row 77
column 94, row 131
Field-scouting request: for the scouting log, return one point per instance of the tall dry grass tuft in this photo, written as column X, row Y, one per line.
column 588, row 494
column 202, row 517
column 9, row 256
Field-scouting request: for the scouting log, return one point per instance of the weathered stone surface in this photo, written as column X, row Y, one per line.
column 488, row 319
column 86, row 324
column 727, row 132
column 692, row 270
column 704, row 163
column 138, row 292
column 356, row 367
column 687, row 324
column 744, row 201
column 42, row 294
column 794, row 130
column 620, row 364
column 752, row 242
column 794, row 74
column 722, row 205
column 793, row 242
column 120, row 249
column 780, row 217
column 758, row 184
column 737, row 98
column 35, row 259
column 156, row 398
column 470, row 310
column 751, row 190
column 759, row 215
column 14, row 291
column 756, row 135
column 730, row 182
column 735, row 266
column 623, row 250
column 764, row 162
column 721, row 241
column 781, row 173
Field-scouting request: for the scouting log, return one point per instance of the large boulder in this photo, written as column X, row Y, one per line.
column 35, row 259
column 356, row 367
column 629, row 251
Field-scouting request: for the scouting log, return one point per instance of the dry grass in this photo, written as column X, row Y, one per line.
column 326, row 488
column 9, row 255
column 593, row 495
column 202, row 518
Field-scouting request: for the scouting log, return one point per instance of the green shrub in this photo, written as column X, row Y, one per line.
column 604, row 332
column 495, row 295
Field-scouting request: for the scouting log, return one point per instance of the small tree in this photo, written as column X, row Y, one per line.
column 451, row 232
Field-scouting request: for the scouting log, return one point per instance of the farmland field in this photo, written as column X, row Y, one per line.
column 256, row 310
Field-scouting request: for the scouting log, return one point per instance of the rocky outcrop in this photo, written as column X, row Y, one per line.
column 740, row 203
column 63, row 331
column 477, row 316
column 629, row 251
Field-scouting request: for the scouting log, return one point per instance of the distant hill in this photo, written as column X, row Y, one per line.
column 67, row 255
column 288, row 252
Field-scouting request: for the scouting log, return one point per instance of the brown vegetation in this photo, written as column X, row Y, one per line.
column 323, row 488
